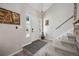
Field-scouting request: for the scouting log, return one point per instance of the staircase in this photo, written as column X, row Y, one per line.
column 66, row 47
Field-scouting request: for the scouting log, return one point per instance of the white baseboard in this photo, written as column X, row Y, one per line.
column 15, row 52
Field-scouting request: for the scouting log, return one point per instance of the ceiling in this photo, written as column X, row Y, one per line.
column 41, row 6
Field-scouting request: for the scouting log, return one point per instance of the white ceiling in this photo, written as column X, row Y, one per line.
column 41, row 6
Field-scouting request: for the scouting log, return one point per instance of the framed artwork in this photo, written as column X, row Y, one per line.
column 16, row 18
column 9, row 17
column 46, row 22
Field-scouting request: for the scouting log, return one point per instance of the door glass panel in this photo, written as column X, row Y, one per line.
column 27, row 27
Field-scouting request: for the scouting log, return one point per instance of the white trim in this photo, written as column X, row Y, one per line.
column 15, row 52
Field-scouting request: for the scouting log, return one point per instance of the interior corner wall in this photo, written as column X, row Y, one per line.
column 12, row 39
column 56, row 15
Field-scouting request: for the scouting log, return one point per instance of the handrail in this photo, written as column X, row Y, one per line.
column 64, row 22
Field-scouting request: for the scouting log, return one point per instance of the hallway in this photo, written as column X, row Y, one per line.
column 39, row 29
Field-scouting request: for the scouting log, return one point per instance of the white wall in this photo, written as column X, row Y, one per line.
column 12, row 39
column 57, row 14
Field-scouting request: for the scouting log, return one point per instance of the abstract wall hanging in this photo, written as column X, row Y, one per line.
column 9, row 17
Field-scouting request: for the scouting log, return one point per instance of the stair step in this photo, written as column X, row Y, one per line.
column 75, row 21
column 65, row 53
column 68, row 42
column 60, row 52
column 68, row 46
column 71, row 37
column 76, row 26
column 54, row 52
column 65, row 48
